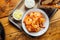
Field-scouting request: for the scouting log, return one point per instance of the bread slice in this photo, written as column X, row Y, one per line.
column 56, row 1
column 47, row 2
column 50, row 2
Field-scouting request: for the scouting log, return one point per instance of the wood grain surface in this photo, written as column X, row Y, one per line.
column 6, row 6
column 12, row 33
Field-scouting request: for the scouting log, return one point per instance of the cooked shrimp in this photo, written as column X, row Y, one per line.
column 34, row 21
column 28, row 20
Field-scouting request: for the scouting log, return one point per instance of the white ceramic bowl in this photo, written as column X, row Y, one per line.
column 42, row 31
column 17, row 12
column 29, row 3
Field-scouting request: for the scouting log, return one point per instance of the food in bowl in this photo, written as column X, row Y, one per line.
column 34, row 21
column 17, row 15
column 29, row 3
column 42, row 30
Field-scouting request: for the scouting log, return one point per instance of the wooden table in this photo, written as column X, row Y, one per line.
column 12, row 33
column 53, row 33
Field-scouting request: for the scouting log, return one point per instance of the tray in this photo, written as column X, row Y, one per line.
column 16, row 6
column 49, row 12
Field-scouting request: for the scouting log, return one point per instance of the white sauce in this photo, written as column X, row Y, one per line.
column 29, row 3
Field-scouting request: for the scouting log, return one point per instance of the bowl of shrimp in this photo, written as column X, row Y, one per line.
column 35, row 22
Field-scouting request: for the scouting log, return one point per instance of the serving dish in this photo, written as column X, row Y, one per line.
column 46, row 24
column 30, row 4
column 18, row 24
column 18, row 16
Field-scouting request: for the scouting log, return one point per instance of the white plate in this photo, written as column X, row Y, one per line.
column 42, row 31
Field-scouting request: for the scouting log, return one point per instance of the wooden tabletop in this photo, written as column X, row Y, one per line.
column 12, row 33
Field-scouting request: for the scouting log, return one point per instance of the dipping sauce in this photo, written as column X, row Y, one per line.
column 34, row 21
column 29, row 3
column 17, row 15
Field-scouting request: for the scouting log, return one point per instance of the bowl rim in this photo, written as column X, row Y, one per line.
column 25, row 30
